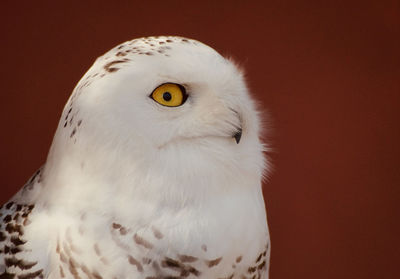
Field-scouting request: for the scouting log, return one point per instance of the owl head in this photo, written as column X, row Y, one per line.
column 166, row 105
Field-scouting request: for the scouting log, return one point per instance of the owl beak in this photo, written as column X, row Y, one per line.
column 238, row 135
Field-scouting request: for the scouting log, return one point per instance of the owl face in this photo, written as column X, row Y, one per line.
column 166, row 93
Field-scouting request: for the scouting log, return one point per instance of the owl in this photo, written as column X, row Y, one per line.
column 154, row 172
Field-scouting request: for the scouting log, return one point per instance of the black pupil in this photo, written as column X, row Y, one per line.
column 167, row 96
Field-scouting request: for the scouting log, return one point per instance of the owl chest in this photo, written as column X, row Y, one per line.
column 185, row 246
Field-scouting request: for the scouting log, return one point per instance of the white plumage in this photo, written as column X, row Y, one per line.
column 136, row 188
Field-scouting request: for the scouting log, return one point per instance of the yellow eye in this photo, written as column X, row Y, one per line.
column 169, row 94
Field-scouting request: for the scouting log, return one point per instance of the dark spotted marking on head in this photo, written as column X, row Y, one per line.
column 116, row 226
column 261, row 265
column 136, row 263
column 67, row 115
column 141, row 241
column 121, row 53
column 252, row 269
column 122, row 229
column 109, row 66
column 239, row 259
column 259, row 257
column 34, row 176
column 211, row 263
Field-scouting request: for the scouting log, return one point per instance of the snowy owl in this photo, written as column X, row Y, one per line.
column 154, row 172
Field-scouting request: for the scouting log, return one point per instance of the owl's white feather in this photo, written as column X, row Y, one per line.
column 134, row 189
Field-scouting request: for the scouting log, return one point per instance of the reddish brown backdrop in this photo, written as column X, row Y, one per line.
column 328, row 73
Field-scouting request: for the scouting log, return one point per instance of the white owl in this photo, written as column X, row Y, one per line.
column 154, row 172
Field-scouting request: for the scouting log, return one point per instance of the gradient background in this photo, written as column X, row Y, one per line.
column 327, row 73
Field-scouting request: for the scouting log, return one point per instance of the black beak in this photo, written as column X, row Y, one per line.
column 238, row 135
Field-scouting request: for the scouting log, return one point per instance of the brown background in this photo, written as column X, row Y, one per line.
column 328, row 73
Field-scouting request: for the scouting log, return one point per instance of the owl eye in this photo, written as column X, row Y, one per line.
column 169, row 94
